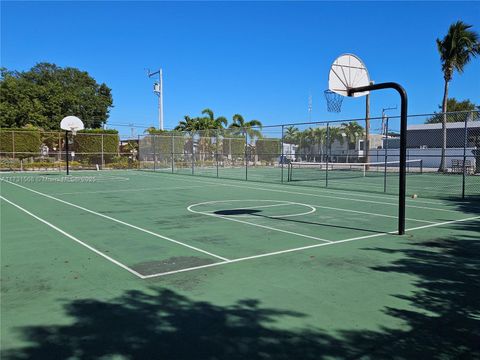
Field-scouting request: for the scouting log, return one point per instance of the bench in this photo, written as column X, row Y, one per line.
column 457, row 166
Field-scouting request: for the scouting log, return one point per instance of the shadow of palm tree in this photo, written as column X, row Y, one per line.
column 441, row 321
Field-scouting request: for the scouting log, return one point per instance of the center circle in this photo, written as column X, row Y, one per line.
column 248, row 208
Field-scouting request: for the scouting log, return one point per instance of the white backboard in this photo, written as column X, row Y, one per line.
column 71, row 123
column 348, row 72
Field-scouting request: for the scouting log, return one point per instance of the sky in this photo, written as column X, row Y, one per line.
column 259, row 59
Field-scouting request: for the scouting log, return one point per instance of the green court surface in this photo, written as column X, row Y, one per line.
column 152, row 265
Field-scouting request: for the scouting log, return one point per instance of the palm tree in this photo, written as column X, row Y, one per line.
column 334, row 133
column 238, row 122
column 321, row 135
column 215, row 123
column 456, row 50
column 291, row 135
column 188, row 124
column 353, row 130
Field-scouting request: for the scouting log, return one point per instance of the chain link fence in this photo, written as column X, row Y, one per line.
column 359, row 154
column 22, row 150
column 354, row 154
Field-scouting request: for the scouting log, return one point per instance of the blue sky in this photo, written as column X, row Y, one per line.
column 258, row 59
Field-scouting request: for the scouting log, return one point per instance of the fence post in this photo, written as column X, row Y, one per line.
column 329, row 150
column 282, row 156
column 172, row 150
column 386, row 157
column 465, row 144
column 103, row 158
column 216, row 148
column 13, row 144
column 245, row 154
column 154, row 152
column 193, row 153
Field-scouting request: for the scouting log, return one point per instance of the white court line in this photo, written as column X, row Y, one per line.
column 315, row 195
column 120, row 222
column 261, row 226
column 304, row 248
column 98, row 252
column 284, row 202
column 369, row 213
column 132, row 190
column 322, row 189
column 330, row 208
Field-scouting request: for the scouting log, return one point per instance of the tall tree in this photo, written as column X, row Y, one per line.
column 46, row 93
column 456, row 50
column 291, row 135
column 452, row 106
column 252, row 127
column 353, row 130
column 216, row 123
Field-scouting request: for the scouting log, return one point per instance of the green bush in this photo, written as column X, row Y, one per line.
column 233, row 145
column 88, row 143
column 24, row 143
column 9, row 164
column 268, row 149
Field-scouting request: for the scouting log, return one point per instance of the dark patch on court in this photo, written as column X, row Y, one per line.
column 170, row 264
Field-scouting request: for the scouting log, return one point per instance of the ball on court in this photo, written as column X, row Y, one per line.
column 414, row 196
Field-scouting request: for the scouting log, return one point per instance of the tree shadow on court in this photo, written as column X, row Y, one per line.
column 166, row 325
column 471, row 205
column 443, row 318
column 440, row 319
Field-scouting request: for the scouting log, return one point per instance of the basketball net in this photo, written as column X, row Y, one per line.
column 334, row 101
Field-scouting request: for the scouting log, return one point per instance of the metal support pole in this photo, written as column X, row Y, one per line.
column 66, row 150
column 329, row 148
column 386, row 157
column 193, row 154
column 282, row 156
column 154, row 153
column 465, row 144
column 173, row 152
column 403, row 143
column 246, row 154
column 216, row 149
column 103, row 158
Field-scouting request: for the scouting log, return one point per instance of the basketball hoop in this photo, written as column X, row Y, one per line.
column 70, row 124
column 334, row 101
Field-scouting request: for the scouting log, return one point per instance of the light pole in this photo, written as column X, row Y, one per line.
column 158, row 90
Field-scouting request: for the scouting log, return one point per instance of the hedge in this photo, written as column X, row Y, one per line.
column 21, row 142
column 268, row 149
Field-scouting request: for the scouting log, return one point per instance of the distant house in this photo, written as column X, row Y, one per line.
column 425, row 136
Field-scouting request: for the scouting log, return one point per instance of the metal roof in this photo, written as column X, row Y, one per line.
column 452, row 125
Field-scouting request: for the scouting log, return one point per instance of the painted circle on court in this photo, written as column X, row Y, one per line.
column 194, row 208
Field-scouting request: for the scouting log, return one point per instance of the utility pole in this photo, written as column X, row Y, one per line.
column 158, row 90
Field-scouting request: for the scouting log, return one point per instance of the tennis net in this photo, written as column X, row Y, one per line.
column 305, row 171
